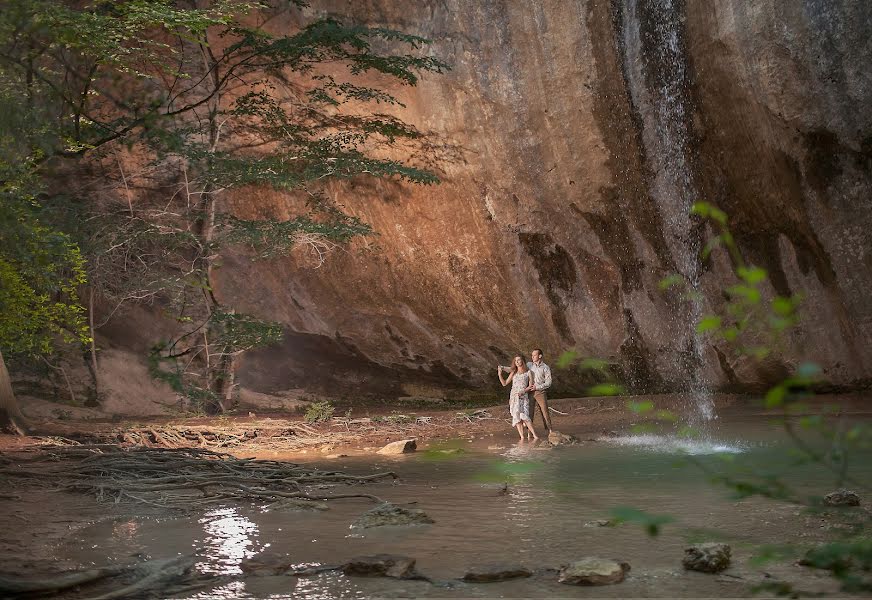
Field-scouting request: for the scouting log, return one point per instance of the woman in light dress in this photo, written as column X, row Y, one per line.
column 519, row 403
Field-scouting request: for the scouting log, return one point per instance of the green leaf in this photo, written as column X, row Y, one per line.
column 605, row 389
column 670, row 281
column 783, row 306
column 593, row 364
column 651, row 522
column 708, row 323
column 809, row 370
column 810, row 421
column 711, row 245
column 702, row 209
column 665, row 415
column 775, row 396
column 750, row 294
column 640, row 407
column 566, row 359
column 752, row 275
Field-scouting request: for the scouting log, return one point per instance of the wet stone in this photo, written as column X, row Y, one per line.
column 400, row 447
column 602, row 523
column 711, row 557
column 594, row 571
column 382, row 565
column 492, row 573
column 842, row 498
column 562, row 439
column 388, row 514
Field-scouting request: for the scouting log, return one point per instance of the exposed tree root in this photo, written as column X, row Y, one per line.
column 266, row 434
column 181, row 479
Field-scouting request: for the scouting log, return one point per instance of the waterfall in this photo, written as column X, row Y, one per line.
column 651, row 37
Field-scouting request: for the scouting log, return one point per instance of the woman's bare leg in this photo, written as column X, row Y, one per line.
column 520, row 429
column 529, row 425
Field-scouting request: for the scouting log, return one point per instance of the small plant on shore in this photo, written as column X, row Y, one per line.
column 319, row 411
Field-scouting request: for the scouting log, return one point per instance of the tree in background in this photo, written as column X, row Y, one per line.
column 40, row 269
column 139, row 115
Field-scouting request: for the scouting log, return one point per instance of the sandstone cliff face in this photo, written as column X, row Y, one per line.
column 573, row 136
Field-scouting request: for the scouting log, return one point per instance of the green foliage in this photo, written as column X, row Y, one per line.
column 753, row 323
column 319, row 411
column 40, row 271
column 170, row 370
column 750, row 324
column 239, row 332
column 271, row 237
column 160, row 81
column 650, row 522
column 507, row 472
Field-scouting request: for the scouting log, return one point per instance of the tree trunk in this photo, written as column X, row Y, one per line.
column 92, row 363
column 11, row 419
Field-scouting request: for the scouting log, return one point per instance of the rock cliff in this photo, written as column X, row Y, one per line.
column 572, row 136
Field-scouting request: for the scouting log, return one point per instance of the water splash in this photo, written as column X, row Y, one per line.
column 653, row 47
column 672, row 444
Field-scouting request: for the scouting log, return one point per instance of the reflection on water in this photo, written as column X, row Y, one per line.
column 230, row 538
column 326, row 586
column 523, row 513
column 234, row 589
column 676, row 444
column 526, row 504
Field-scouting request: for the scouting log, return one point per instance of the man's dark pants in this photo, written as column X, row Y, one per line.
column 541, row 398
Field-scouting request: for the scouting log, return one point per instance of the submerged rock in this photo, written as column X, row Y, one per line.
column 594, row 571
column 382, row 565
column 388, row 514
column 266, row 564
column 842, row 498
column 602, row 523
column 711, row 557
column 561, row 439
column 400, row 447
column 492, row 573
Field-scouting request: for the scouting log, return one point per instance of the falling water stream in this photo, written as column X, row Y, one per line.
column 659, row 82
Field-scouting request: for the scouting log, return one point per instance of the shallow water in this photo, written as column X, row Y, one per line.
column 545, row 519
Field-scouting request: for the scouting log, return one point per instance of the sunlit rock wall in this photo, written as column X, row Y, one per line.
column 572, row 137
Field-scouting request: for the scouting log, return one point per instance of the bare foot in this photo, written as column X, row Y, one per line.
column 535, row 437
column 522, row 439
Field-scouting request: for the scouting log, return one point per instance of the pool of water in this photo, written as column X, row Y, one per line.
column 545, row 517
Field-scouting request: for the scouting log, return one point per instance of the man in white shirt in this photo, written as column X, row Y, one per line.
column 541, row 382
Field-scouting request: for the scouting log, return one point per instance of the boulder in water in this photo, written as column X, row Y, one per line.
column 400, row 447
column 388, row 514
column 594, row 571
column 561, row 439
column 382, row 565
column 711, row 557
column 842, row 498
column 492, row 573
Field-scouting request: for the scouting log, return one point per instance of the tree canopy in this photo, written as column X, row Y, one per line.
column 202, row 97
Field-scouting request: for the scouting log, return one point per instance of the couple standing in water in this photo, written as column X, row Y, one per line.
column 526, row 377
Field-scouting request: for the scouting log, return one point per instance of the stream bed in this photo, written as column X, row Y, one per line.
column 496, row 501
